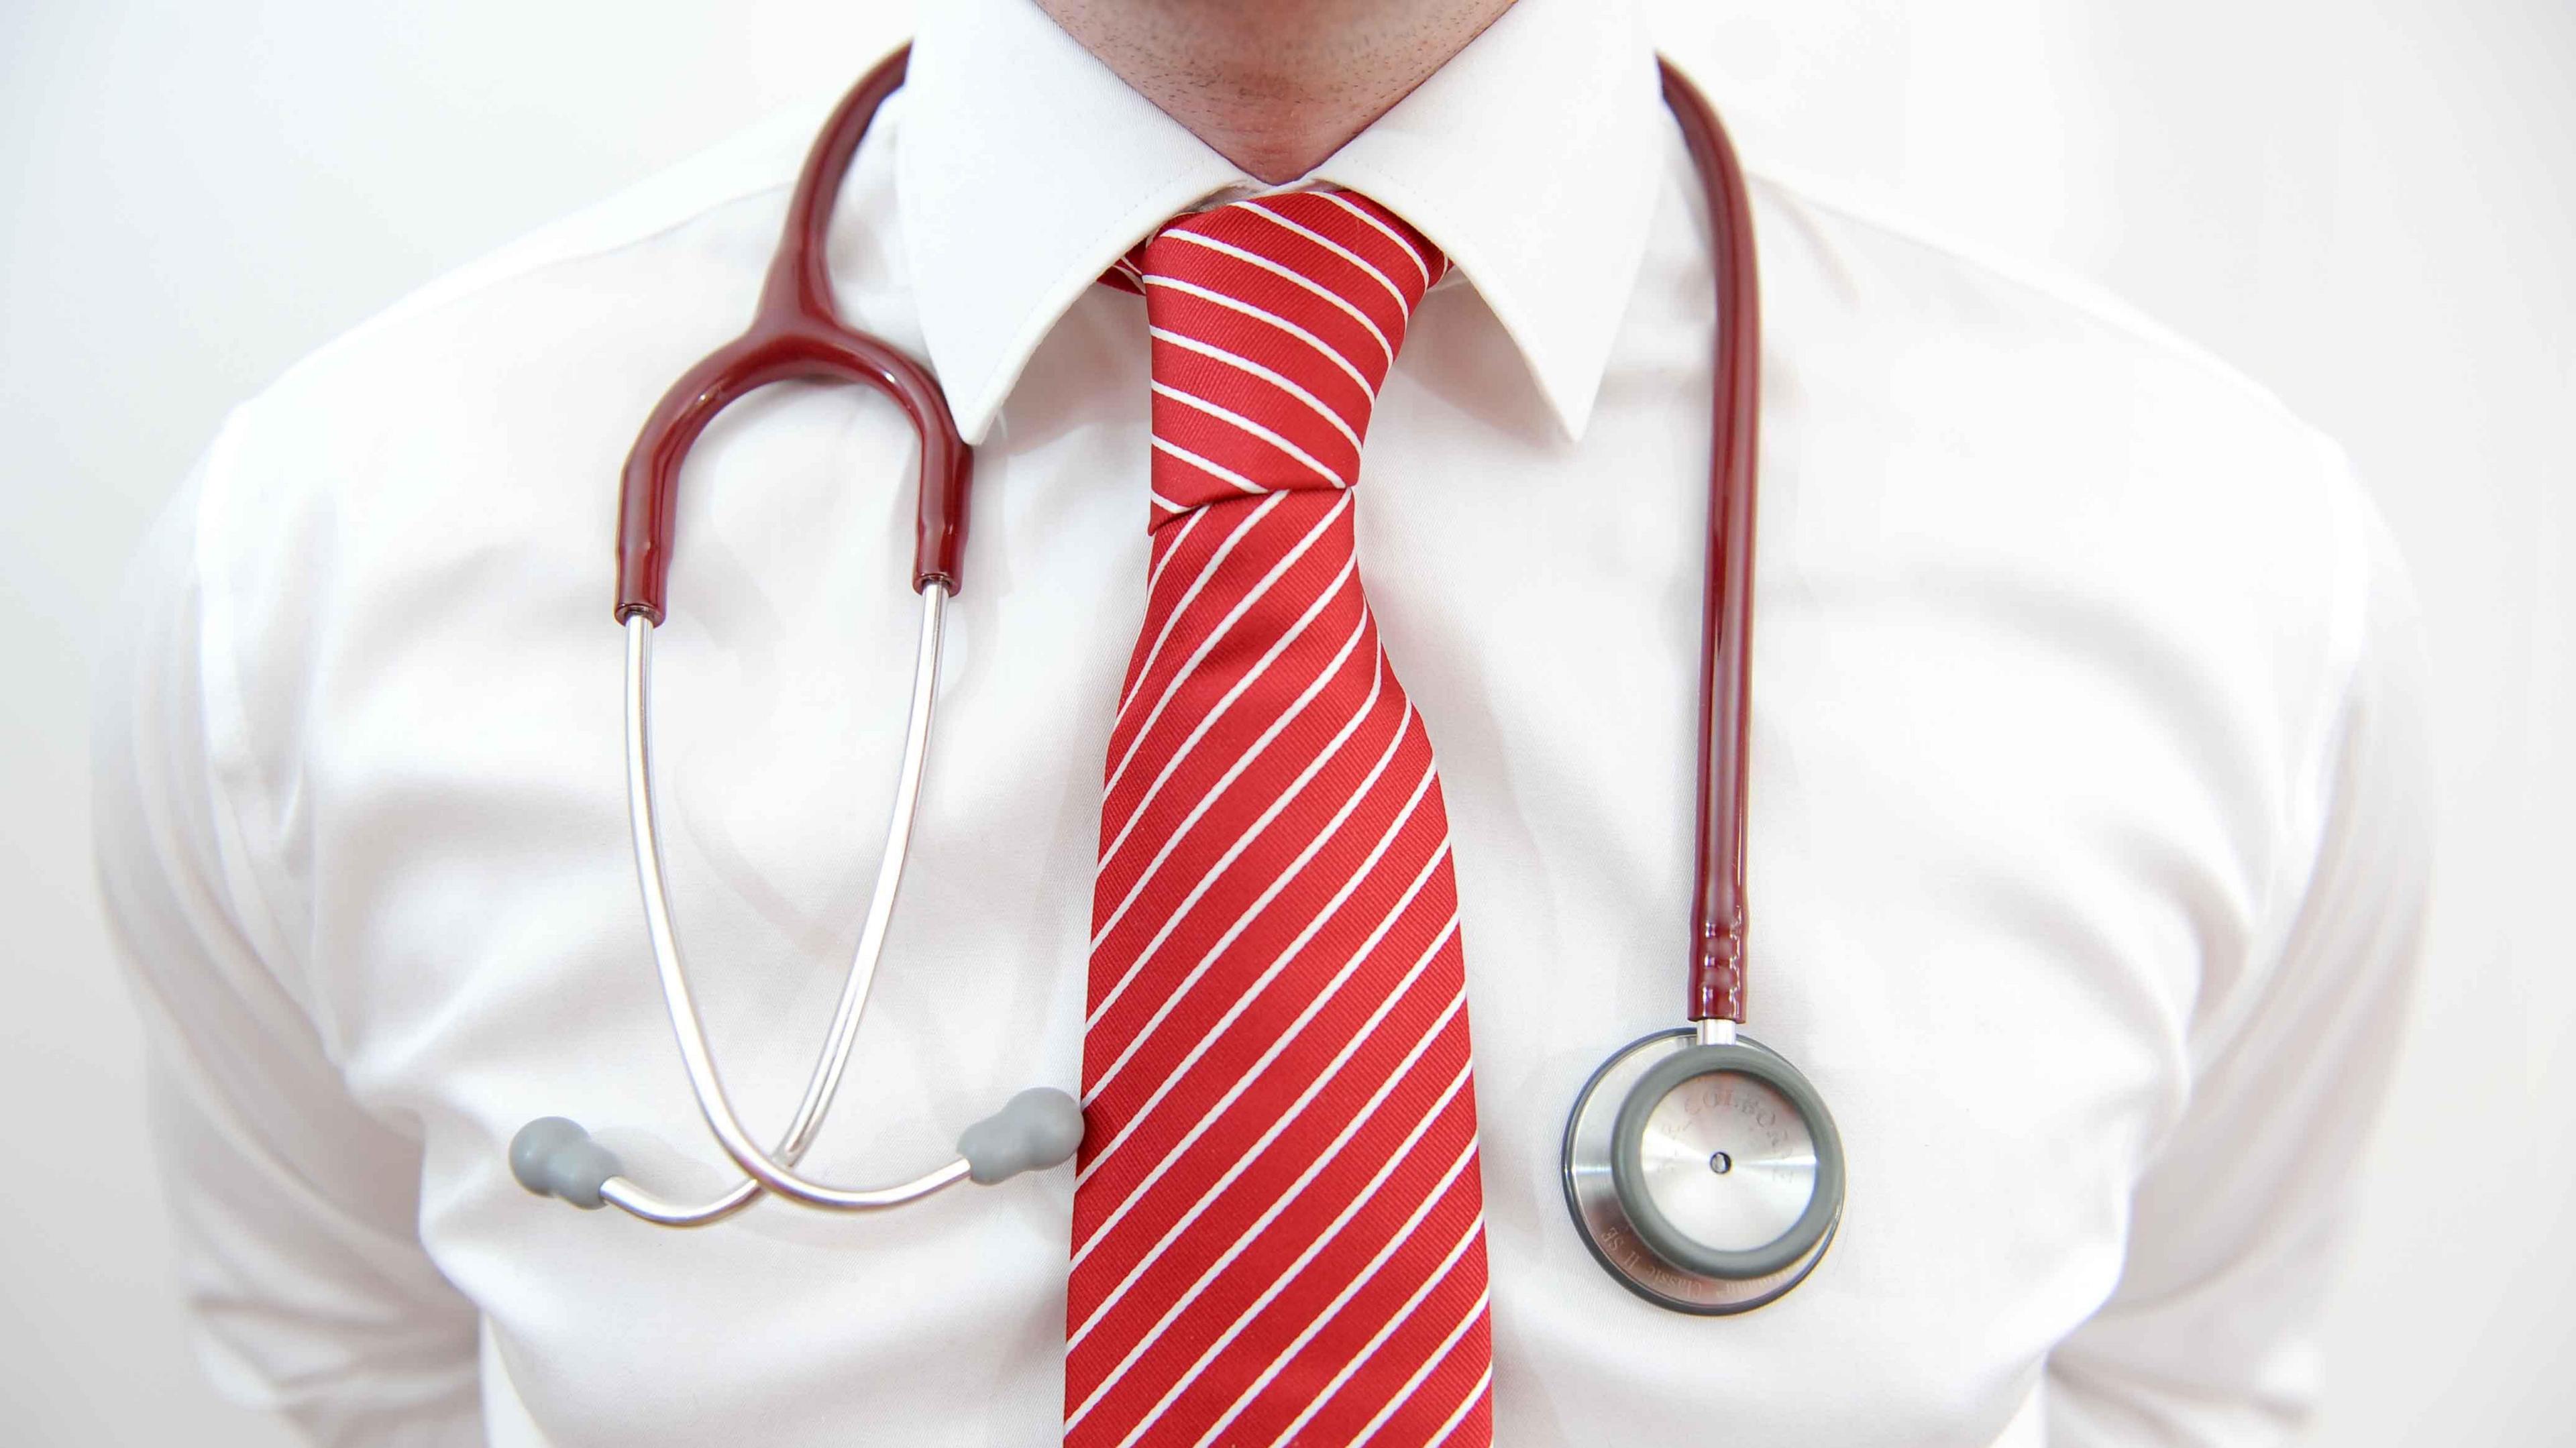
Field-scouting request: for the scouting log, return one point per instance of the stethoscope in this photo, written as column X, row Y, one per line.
column 1702, row 1170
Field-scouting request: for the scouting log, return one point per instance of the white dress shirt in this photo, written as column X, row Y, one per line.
column 2089, row 808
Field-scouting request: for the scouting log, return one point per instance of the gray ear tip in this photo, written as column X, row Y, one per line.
column 536, row 1142
column 554, row 1156
column 1041, row 1127
column 1054, row 1116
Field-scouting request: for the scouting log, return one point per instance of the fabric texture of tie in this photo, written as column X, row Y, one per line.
column 1278, row 1229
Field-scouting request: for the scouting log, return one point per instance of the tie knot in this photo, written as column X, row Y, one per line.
column 1274, row 321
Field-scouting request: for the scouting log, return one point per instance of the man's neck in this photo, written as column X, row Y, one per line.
column 1274, row 86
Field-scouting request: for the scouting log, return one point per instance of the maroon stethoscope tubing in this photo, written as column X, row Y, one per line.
column 1717, row 964
column 797, row 334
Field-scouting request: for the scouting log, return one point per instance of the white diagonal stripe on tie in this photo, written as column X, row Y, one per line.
column 1208, row 799
column 1217, row 872
column 1237, row 690
column 1216, row 470
column 1215, row 636
column 1360, row 1199
column 1243, row 1000
column 1242, row 363
column 1280, row 1284
column 1322, row 917
column 1389, row 232
column 1294, row 277
column 1337, row 249
column 1237, row 304
column 1402, row 1315
column 1237, row 419
column 1198, row 582
column 1244, row 1159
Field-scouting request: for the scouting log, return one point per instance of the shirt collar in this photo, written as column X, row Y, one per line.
column 1024, row 167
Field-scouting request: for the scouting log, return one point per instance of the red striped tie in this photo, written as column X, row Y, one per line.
column 1278, row 1232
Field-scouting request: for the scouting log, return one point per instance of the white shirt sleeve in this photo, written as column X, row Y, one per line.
column 294, row 1209
column 2211, row 1337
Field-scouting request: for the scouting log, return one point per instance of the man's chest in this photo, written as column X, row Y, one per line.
column 1986, row 874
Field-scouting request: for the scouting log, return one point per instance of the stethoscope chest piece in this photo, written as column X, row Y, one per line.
column 1707, row 1178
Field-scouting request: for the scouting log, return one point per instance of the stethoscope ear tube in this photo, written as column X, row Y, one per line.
column 556, row 1156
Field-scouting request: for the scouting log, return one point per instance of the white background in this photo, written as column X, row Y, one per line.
column 2370, row 206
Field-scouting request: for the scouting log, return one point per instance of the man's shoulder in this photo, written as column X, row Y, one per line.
column 593, row 313
column 2048, row 390
column 487, row 412
column 1983, row 406
column 539, row 319
column 750, row 164
column 1918, row 278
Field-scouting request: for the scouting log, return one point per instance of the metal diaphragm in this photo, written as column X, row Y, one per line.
column 1705, row 1178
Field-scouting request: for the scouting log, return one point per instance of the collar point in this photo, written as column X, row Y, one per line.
column 975, row 420
column 1571, row 405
